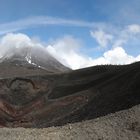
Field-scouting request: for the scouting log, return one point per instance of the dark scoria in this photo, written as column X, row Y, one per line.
column 42, row 100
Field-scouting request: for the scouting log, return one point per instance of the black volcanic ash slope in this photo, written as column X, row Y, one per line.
column 110, row 89
column 56, row 99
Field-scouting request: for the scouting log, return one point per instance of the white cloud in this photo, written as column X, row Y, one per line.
column 117, row 37
column 16, row 43
column 129, row 33
column 134, row 28
column 118, row 56
column 114, row 56
column 44, row 21
column 101, row 37
column 66, row 50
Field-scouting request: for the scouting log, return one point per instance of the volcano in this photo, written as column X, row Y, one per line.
column 29, row 60
column 38, row 91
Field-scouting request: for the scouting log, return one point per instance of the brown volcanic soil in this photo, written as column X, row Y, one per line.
column 31, row 97
column 123, row 125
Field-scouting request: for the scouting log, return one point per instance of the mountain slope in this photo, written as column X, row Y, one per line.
column 56, row 99
column 34, row 57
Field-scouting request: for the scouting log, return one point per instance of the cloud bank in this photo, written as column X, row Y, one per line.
column 66, row 50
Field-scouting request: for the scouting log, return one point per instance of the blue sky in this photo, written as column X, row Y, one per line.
column 98, row 24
